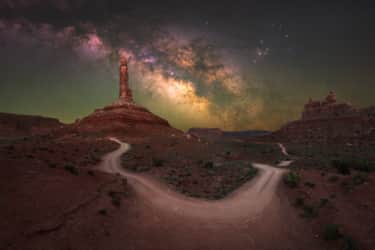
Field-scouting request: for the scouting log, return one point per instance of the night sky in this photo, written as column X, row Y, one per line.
column 234, row 65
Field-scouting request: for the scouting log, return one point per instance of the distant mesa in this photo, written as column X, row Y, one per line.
column 123, row 113
column 13, row 125
column 216, row 133
column 205, row 132
column 328, row 121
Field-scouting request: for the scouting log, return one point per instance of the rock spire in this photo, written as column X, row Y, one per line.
column 125, row 94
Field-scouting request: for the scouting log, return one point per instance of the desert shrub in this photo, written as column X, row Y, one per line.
column 349, row 243
column 331, row 232
column 333, row 178
column 188, row 172
column 209, row 165
column 309, row 211
column 30, row 156
column 347, row 186
column 211, row 172
column 102, row 211
column 291, row 179
column 359, row 179
column 115, row 198
column 71, row 169
column 139, row 168
column 309, row 184
column 116, row 201
column 94, row 158
column 362, row 165
column 124, row 182
column 342, row 166
column 52, row 165
column 247, row 174
column 250, row 172
column 144, row 168
column 299, row 202
column 323, row 202
column 157, row 162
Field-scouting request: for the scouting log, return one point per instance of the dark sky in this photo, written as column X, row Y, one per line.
column 229, row 64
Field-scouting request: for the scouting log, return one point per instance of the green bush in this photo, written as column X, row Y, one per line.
column 331, row 232
column 102, row 212
column 309, row 211
column 116, row 200
column 359, row 179
column 209, row 165
column 299, row 202
column 309, row 184
column 157, row 162
column 349, row 243
column 71, row 169
column 291, row 179
column 362, row 165
column 343, row 167
column 333, row 178
column 52, row 165
column 251, row 172
column 347, row 186
column 323, row 202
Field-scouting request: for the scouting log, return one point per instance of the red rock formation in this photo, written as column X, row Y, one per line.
column 125, row 91
column 330, row 122
column 327, row 109
column 121, row 115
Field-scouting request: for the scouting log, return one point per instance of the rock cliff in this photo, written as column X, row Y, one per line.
column 330, row 122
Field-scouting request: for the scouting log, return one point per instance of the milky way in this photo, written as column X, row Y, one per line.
column 197, row 66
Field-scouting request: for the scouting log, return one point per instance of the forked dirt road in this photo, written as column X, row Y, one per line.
column 252, row 217
column 239, row 205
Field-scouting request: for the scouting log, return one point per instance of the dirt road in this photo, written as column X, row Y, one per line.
column 239, row 205
column 286, row 163
column 252, row 217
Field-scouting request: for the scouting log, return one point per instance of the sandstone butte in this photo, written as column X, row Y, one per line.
column 328, row 121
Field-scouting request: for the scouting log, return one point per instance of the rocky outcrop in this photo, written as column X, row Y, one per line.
column 119, row 117
column 125, row 92
column 26, row 125
column 330, row 122
column 123, row 115
column 327, row 109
